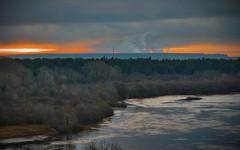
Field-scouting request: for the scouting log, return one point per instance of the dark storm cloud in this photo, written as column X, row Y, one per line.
column 127, row 35
column 128, row 25
column 23, row 12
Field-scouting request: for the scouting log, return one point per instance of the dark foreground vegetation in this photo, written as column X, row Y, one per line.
column 68, row 94
column 102, row 145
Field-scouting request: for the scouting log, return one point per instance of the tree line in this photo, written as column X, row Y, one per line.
column 144, row 66
column 69, row 93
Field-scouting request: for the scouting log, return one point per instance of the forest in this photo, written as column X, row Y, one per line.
column 70, row 93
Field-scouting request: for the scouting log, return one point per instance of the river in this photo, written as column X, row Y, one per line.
column 163, row 123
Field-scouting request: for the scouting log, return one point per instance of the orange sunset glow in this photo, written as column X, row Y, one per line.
column 82, row 47
column 34, row 48
column 26, row 48
column 230, row 50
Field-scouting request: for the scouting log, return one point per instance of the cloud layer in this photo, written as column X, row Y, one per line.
column 79, row 11
column 128, row 25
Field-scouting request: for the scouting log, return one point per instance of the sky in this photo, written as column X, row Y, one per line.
column 130, row 26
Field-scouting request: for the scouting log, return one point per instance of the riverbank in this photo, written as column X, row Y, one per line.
column 7, row 132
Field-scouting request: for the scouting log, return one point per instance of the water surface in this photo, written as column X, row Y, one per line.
column 164, row 123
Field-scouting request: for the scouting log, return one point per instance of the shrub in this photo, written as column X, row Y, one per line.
column 102, row 145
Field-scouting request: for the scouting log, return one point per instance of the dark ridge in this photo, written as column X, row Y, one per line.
column 158, row 56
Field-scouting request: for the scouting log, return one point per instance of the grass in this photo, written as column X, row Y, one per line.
column 26, row 130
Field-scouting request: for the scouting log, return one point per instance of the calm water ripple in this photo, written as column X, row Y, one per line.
column 164, row 123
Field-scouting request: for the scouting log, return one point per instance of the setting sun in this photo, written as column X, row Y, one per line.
column 25, row 50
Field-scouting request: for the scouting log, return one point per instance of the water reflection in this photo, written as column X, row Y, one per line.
column 166, row 123
column 155, row 116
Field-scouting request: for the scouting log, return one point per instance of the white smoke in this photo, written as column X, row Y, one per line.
column 138, row 44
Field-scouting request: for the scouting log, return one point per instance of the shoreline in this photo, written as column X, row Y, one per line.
column 24, row 134
column 47, row 131
column 7, row 132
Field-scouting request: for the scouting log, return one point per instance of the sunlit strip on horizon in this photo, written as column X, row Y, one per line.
column 25, row 50
column 19, row 51
column 230, row 50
